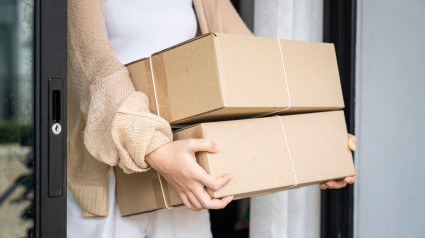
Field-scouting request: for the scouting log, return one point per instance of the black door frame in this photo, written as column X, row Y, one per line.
column 50, row 62
column 339, row 27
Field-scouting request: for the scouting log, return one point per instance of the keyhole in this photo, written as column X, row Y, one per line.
column 56, row 128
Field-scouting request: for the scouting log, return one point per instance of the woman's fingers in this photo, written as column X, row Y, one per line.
column 218, row 203
column 211, row 203
column 194, row 201
column 323, row 186
column 202, row 145
column 177, row 163
column 186, row 201
column 338, row 183
column 214, row 183
column 334, row 184
column 199, row 199
column 351, row 179
column 352, row 142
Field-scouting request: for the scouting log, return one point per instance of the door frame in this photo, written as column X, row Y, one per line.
column 339, row 27
column 50, row 62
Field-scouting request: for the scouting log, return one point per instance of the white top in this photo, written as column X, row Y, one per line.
column 138, row 28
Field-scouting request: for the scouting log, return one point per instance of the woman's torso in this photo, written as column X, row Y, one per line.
column 136, row 29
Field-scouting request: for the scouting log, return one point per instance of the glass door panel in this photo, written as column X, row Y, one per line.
column 16, row 118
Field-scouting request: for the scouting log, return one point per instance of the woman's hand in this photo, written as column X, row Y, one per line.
column 176, row 162
column 335, row 184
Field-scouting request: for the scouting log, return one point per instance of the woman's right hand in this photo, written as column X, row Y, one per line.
column 176, row 162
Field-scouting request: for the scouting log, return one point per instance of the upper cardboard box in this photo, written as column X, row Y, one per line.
column 223, row 76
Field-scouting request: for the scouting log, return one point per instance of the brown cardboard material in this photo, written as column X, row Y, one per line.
column 138, row 193
column 222, row 76
column 255, row 152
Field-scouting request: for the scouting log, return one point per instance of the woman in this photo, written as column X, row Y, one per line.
column 110, row 124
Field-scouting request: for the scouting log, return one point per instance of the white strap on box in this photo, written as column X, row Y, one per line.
column 154, row 86
column 289, row 152
column 286, row 83
column 157, row 110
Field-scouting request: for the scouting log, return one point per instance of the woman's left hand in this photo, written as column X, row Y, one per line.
column 335, row 184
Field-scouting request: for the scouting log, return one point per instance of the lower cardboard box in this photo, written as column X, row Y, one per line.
column 263, row 154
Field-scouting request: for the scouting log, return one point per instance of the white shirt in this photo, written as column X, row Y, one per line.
column 138, row 28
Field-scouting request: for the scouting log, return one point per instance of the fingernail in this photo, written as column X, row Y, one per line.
column 352, row 146
column 329, row 184
column 217, row 148
column 230, row 176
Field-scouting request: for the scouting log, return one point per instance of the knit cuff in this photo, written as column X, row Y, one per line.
column 106, row 95
column 136, row 132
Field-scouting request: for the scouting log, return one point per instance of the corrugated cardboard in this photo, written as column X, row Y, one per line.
column 255, row 152
column 141, row 192
column 222, row 76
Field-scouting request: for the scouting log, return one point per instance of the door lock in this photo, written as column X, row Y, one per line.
column 57, row 137
column 56, row 128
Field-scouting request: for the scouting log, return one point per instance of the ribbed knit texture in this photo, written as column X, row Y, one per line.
column 109, row 123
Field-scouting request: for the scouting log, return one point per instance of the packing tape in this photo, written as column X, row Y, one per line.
column 158, row 113
column 159, row 195
column 286, row 84
column 163, row 192
column 154, row 87
column 289, row 152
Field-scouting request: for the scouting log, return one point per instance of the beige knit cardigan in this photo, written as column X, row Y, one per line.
column 109, row 123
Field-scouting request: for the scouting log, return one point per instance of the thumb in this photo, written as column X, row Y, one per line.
column 203, row 145
column 352, row 142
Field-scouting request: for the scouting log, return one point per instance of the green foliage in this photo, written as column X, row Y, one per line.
column 15, row 132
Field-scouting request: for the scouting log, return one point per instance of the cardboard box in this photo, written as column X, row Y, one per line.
column 221, row 76
column 256, row 153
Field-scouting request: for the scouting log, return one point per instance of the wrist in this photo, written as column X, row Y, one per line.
column 152, row 157
column 149, row 158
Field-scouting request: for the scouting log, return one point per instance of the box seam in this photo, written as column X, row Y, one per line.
column 219, row 60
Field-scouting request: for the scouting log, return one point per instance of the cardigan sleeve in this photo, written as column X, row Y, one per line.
column 119, row 128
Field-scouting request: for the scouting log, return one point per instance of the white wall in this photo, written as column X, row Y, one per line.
column 390, row 119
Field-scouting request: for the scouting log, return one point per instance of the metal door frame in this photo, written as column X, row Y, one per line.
column 339, row 27
column 50, row 62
